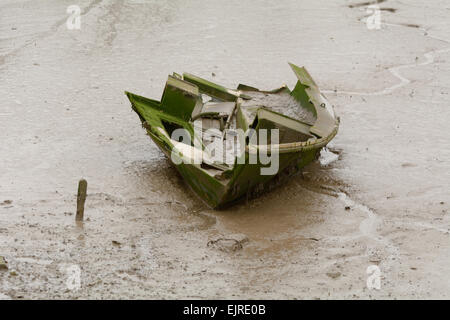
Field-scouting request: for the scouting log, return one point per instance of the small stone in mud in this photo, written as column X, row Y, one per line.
column 334, row 275
column 3, row 264
column 116, row 243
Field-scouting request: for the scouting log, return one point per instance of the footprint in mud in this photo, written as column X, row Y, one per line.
column 230, row 243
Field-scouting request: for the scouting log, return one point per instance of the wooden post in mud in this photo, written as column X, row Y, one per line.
column 81, row 198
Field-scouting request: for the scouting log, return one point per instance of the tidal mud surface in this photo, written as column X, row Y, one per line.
column 378, row 196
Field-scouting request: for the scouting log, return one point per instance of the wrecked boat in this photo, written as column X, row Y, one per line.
column 230, row 144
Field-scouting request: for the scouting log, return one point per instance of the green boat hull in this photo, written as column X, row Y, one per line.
column 243, row 180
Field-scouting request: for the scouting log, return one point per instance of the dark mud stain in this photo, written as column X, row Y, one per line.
column 364, row 4
column 408, row 164
column 410, row 25
column 393, row 10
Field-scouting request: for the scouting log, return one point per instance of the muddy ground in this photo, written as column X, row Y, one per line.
column 63, row 116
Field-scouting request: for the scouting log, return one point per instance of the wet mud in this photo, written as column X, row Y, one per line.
column 378, row 196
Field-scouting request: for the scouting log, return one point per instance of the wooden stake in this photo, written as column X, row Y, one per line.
column 81, row 198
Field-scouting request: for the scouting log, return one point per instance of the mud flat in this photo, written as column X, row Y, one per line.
column 381, row 200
